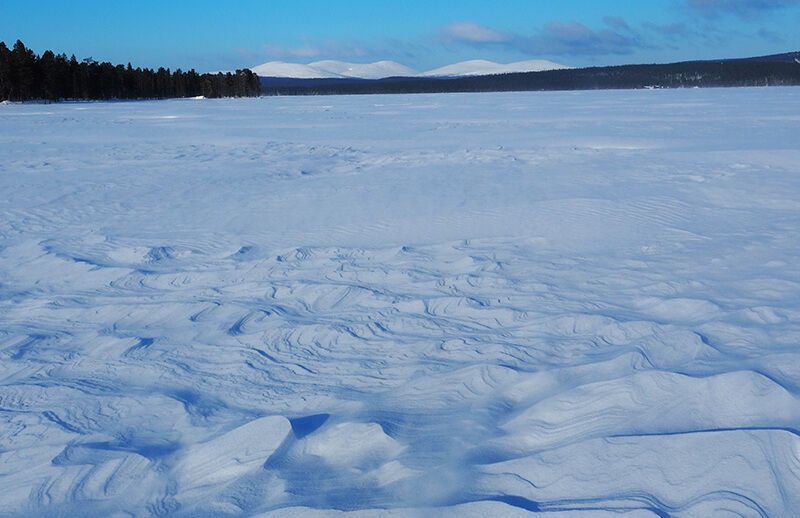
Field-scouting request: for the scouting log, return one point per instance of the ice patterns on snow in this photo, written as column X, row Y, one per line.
column 570, row 304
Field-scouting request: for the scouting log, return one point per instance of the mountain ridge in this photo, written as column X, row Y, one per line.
column 332, row 69
column 773, row 70
column 480, row 67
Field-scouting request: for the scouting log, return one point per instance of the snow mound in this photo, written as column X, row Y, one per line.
column 650, row 403
column 232, row 455
column 358, row 445
column 664, row 472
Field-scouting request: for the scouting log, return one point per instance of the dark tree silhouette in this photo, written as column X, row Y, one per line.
column 50, row 77
column 5, row 72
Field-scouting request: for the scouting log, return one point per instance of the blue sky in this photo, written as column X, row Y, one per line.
column 214, row 35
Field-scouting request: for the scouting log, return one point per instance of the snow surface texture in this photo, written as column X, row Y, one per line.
column 573, row 304
column 383, row 69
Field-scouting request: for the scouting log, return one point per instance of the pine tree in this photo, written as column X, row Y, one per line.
column 5, row 72
column 23, row 62
column 48, row 74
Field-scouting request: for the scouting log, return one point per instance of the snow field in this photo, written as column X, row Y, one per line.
column 570, row 304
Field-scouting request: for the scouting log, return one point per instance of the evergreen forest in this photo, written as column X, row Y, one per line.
column 26, row 76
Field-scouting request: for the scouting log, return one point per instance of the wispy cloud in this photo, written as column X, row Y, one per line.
column 554, row 38
column 471, row 32
column 616, row 22
column 747, row 9
column 574, row 38
column 283, row 52
column 312, row 49
column 671, row 30
column 771, row 36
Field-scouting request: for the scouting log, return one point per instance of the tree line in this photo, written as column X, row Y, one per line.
column 728, row 73
column 54, row 77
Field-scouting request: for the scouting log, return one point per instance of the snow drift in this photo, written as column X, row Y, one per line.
column 575, row 304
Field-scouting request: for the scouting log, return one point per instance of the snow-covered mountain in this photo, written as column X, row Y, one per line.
column 479, row 67
column 382, row 69
column 293, row 70
column 334, row 69
column 377, row 70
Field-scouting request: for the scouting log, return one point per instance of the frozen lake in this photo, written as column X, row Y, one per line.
column 578, row 304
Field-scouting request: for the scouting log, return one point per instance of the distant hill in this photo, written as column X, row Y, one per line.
column 788, row 57
column 292, row 70
column 377, row 70
column 479, row 67
column 384, row 69
column 333, row 69
column 777, row 70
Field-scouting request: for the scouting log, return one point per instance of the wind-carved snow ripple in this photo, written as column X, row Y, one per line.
column 480, row 371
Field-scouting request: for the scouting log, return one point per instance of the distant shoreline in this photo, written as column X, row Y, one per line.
column 775, row 70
